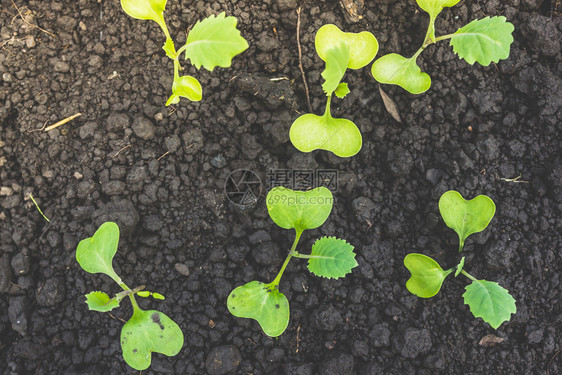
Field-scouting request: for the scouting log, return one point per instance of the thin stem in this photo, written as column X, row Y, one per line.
column 469, row 275
column 131, row 296
column 275, row 283
column 182, row 48
column 164, row 28
column 176, row 69
column 430, row 34
column 443, row 37
column 327, row 112
column 309, row 256
column 461, row 244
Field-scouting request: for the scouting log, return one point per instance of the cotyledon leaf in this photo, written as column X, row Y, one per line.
column 427, row 275
column 100, row 301
column 363, row 46
column 186, row 86
column 146, row 10
column 489, row 301
column 398, row 70
column 146, row 332
column 337, row 58
column 95, row 254
column 434, row 7
column 263, row 303
column 484, row 41
column 331, row 258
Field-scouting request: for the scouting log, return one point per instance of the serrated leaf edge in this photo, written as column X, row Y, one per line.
column 480, row 316
column 351, row 251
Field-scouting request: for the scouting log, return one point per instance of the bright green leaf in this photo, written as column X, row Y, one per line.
column 489, row 301
column 147, row 332
column 146, row 10
column 95, row 254
column 299, row 210
column 466, row 217
column 188, row 87
column 337, row 58
column 397, row 70
column 332, row 258
column 262, row 302
column 434, row 7
column 170, row 49
column 485, row 40
column 158, row 296
column 342, row 90
column 310, row 132
column 144, row 293
column 363, row 46
column 214, row 41
column 459, row 267
column 427, row 275
column 100, row 301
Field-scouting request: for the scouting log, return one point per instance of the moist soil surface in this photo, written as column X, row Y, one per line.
column 160, row 172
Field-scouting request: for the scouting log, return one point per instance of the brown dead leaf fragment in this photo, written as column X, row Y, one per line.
column 490, row 340
column 390, row 105
column 353, row 9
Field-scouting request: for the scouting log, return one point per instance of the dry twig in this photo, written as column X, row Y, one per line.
column 62, row 122
column 300, row 59
column 29, row 23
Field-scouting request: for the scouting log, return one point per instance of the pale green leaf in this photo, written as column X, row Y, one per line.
column 427, row 275
column 363, row 46
column 299, row 210
column 100, row 301
column 95, row 254
column 186, row 86
column 170, row 49
column 331, row 258
column 310, row 132
column 397, row 70
column 143, row 293
column 262, row 302
column 489, row 301
column 158, row 296
column 337, row 58
column 459, row 267
column 466, row 217
column 342, row 90
column 146, row 10
column 146, row 332
column 214, row 41
column 434, row 7
column 484, row 41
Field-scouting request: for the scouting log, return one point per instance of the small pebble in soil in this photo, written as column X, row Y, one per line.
column 223, row 359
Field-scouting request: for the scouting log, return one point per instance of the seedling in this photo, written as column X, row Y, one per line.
column 146, row 331
column 340, row 51
column 210, row 43
column 486, row 299
column 330, row 257
column 484, row 40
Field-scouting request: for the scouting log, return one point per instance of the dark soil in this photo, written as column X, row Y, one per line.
column 159, row 172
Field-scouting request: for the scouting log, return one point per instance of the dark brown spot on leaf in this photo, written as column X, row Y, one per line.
column 156, row 319
column 277, row 306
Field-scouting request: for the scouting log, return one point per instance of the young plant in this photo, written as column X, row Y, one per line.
column 146, row 331
column 340, row 51
column 330, row 257
column 483, row 41
column 486, row 299
column 210, row 43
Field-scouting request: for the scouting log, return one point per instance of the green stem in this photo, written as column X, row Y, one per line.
column 309, row 256
column 327, row 112
column 469, row 276
column 443, row 37
column 430, row 34
column 183, row 48
column 131, row 296
column 176, row 69
column 275, row 283
column 461, row 244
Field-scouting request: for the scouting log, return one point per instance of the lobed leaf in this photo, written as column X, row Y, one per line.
column 489, row 301
column 214, row 41
column 263, row 303
column 332, row 258
column 484, row 41
column 434, row 7
column 342, row 90
column 186, row 86
column 146, row 332
column 299, row 210
column 398, row 70
column 100, row 301
column 337, row 58
column 427, row 275
column 95, row 254
column 363, row 46
column 466, row 217
column 310, row 132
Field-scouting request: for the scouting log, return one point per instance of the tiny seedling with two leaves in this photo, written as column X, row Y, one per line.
column 330, row 257
column 340, row 51
column 484, row 41
column 210, row 43
column 486, row 299
column 146, row 331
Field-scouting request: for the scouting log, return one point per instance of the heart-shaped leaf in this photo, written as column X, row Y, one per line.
column 485, row 40
column 434, row 7
column 466, row 217
column 310, row 132
column 363, row 46
column 263, row 303
column 95, row 254
column 489, row 301
column 331, row 258
column 398, row 70
column 427, row 275
column 214, row 42
column 146, row 10
column 299, row 210
column 100, row 301
column 146, row 332
column 186, row 86
column 337, row 58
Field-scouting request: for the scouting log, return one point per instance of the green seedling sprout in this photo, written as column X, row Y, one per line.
column 146, row 331
column 486, row 299
column 330, row 257
column 340, row 51
column 484, row 41
column 210, row 43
